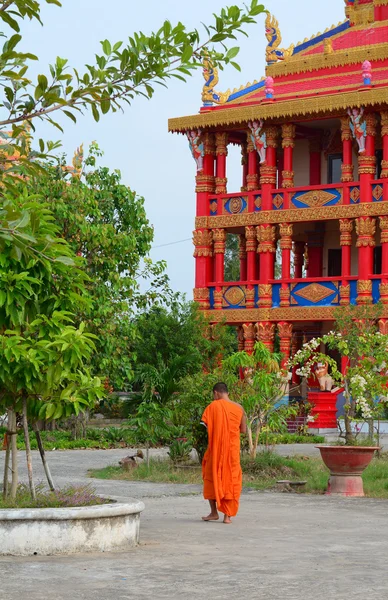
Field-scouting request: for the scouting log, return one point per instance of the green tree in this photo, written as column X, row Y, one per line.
column 232, row 258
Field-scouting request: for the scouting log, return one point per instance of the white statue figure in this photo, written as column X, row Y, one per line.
column 358, row 127
column 325, row 381
column 259, row 139
column 196, row 147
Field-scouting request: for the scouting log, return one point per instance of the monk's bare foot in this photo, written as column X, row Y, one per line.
column 211, row 517
column 227, row 520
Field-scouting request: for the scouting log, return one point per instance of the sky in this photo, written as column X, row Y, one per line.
column 155, row 163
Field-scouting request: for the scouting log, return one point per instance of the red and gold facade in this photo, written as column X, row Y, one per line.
column 312, row 211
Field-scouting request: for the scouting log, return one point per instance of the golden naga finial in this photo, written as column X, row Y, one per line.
column 210, row 75
column 272, row 32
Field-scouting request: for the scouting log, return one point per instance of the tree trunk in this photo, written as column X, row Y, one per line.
column 7, row 441
column 370, row 429
column 15, row 470
column 28, row 451
column 43, row 457
column 349, row 438
column 148, row 456
column 252, row 449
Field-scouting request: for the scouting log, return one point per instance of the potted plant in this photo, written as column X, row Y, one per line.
column 357, row 339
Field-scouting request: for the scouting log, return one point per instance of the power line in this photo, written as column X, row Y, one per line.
column 171, row 243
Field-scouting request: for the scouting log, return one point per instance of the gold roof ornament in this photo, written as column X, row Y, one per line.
column 211, row 77
column 272, row 32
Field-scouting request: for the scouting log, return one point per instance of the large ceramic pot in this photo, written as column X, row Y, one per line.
column 346, row 464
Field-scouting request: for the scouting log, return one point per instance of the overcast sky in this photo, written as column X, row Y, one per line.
column 156, row 164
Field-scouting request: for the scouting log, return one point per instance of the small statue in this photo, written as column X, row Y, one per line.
column 367, row 72
column 259, row 139
column 269, row 91
column 358, row 127
column 325, row 381
column 196, row 147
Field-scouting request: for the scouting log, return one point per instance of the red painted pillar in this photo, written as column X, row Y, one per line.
column 286, row 230
column 285, row 335
column 242, row 250
column 315, row 254
column 367, row 161
column 347, row 158
column 249, row 337
column 221, row 154
column 366, row 229
column 346, row 228
column 298, row 259
column 253, row 174
column 202, row 237
column 315, row 161
column 384, row 162
column 250, row 236
column 244, row 164
column 219, row 238
column 288, row 143
column 268, row 170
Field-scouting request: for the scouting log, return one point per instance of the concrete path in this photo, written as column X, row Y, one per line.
column 281, row 547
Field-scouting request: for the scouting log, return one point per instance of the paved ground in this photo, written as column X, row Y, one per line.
column 281, row 546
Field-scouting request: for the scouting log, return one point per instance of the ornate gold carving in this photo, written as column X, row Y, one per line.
column 285, row 330
column 249, row 336
column 272, row 32
column 250, row 236
column 209, row 143
column 301, row 106
column 252, row 182
column 242, row 247
column 218, row 297
column 384, row 122
column 202, row 240
column 347, row 173
column 384, row 230
column 383, row 326
column 366, row 229
column 250, row 144
column 205, row 183
column 250, row 297
column 221, row 185
column 240, row 338
column 318, row 198
column 271, row 132
column 265, row 295
column 384, row 168
column 288, row 135
column 221, row 144
column 344, row 295
column 244, row 155
column 371, row 121
column 265, row 333
column 315, row 292
column 384, row 293
column 219, row 239
column 267, row 175
column 295, row 215
column 285, row 296
column 328, row 46
column 201, row 296
column 266, row 238
column 286, row 230
column 364, row 292
column 234, row 295
column 366, row 165
column 346, row 132
column 288, row 179
column 346, row 228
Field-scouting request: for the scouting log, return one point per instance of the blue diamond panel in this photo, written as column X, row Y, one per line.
column 276, row 295
column 277, row 201
column 355, row 194
column 211, row 297
column 377, row 192
column 234, row 297
column 318, row 198
column 235, row 205
column 256, row 296
column 257, row 203
column 376, row 290
column 301, row 289
column 353, row 292
column 213, row 207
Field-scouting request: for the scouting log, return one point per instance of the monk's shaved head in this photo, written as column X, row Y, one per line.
column 220, row 388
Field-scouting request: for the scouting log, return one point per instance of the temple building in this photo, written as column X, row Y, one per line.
column 312, row 212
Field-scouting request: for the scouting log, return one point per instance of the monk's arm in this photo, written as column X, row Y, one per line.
column 243, row 424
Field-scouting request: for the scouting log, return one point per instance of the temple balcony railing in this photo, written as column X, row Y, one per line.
column 306, row 292
column 304, row 197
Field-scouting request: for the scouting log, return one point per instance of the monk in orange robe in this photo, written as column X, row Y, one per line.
column 221, row 469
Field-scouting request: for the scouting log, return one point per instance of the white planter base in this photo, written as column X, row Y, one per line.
column 46, row 531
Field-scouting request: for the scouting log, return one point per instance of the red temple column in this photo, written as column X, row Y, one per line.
column 203, row 242
column 265, row 333
column 285, row 335
column 219, row 239
column 244, row 164
column 347, row 157
column 315, row 254
column 346, row 228
column 288, row 143
column 266, row 237
column 366, row 229
column 286, row 230
column 250, row 245
column 242, row 251
column 384, row 162
column 367, row 161
column 298, row 259
column 268, row 169
column 249, row 337
column 315, row 161
column 240, row 338
column 221, row 154
column 253, row 175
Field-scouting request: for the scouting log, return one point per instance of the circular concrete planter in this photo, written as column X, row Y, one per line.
column 346, row 464
column 45, row 531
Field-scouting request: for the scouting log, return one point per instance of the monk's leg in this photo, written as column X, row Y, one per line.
column 227, row 520
column 214, row 516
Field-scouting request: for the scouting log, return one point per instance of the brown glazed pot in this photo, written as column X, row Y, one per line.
column 346, row 464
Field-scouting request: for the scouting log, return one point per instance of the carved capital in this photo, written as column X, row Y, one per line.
column 265, row 295
column 346, row 228
column 366, row 164
column 366, row 229
column 221, row 144
column 346, row 132
column 202, row 240
column 265, row 333
column 371, row 121
column 205, row 183
column 252, row 181
column 384, row 122
column 244, row 156
column 201, row 296
column 250, row 236
column 364, row 291
column 287, row 179
column 384, row 168
column 266, row 237
column 286, row 230
column 344, row 295
column 267, row 175
column 384, row 293
column 209, row 144
column 219, row 239
column 383, row 326
column 347, row 173
column 217, row 297
column 249, row 336
column 250, row 297
column 285, row 330
column 250, row 144
column 271, row 132
column 288, row 135
column 221, row 185
column 285, row 296
column 242, row 247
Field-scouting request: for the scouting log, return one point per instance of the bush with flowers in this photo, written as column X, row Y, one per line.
column 356, row 338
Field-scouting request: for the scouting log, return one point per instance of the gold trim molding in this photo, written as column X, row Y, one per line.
column 297, row 313
column 297, row 215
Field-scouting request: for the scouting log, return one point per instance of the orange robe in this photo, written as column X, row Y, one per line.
column 221, row 469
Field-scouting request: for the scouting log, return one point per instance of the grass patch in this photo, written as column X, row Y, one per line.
column 68, row 496
column 109, row 437
column 260, row 474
